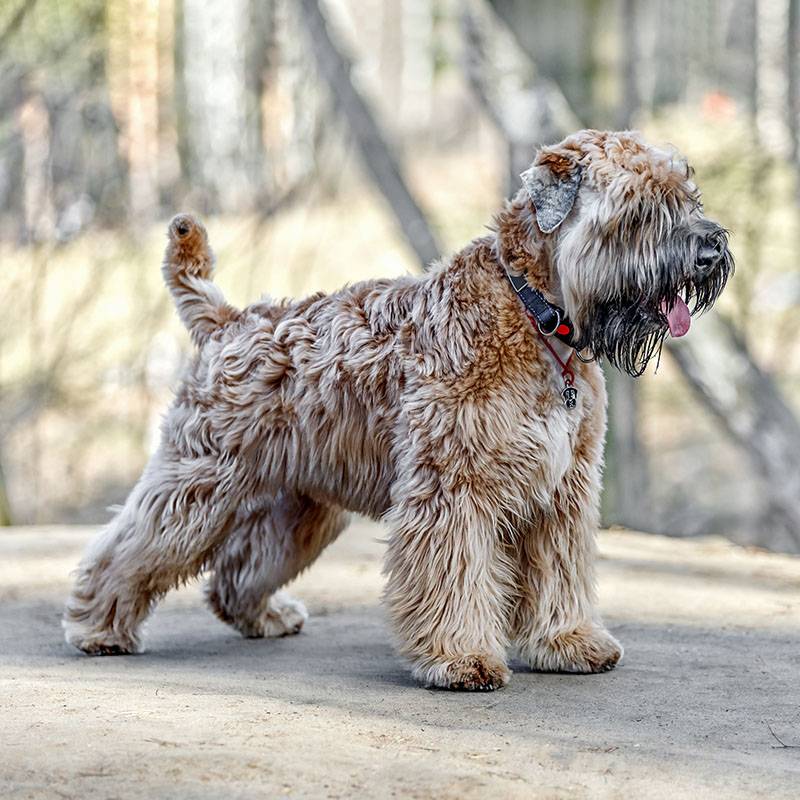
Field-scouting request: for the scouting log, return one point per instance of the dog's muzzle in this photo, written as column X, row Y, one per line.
column 710, row 252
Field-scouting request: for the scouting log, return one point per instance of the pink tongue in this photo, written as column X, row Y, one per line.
column 678, row 317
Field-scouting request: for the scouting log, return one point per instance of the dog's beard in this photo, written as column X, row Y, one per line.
column 628, row 336
column 630, row 332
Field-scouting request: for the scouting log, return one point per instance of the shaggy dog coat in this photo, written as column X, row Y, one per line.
column 427, row 402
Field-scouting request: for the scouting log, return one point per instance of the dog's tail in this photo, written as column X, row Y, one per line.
column 187, row 269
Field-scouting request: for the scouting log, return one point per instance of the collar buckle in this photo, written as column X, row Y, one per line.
column 555, row 324
column 549, row 319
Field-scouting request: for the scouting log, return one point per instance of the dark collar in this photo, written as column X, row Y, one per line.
column 549, row 318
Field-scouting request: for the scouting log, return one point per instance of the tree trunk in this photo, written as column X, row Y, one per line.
column 169, row 167
column 792, row 29
column 772, row 83
column 5, row 506
column 792, row 98
column 749, row 22
column 142, row 112
column 33, row 121
column 132, row 69
column 629, row 28
column 626, row 486
column 223, row 136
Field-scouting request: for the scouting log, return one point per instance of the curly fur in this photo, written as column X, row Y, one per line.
column 429, row 402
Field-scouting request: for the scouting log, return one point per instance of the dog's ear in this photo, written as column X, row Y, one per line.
column 552, row 183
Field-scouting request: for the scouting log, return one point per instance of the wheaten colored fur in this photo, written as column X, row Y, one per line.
column 429, row 402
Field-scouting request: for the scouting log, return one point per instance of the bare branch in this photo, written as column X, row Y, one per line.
column 749, row 407
column 526, row 109
column 26, row 6
column 335, row 68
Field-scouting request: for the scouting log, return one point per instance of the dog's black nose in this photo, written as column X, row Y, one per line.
column 709, row 253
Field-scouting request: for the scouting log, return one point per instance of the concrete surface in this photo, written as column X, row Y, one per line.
column 707, row 703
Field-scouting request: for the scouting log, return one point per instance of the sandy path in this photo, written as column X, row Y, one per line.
column 710, row 683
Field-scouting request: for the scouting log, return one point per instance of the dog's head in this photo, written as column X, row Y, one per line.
column 633, row 254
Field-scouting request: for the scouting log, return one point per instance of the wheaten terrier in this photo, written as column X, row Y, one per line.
column 464, row 408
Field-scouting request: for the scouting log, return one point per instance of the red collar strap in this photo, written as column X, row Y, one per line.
column 549, row 320
column 569, row 394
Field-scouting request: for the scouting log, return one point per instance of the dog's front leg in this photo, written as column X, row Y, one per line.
column 448, row 590
column 556, row 625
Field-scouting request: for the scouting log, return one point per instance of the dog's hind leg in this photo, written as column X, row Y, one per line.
column 172, row 521
column 268, row 545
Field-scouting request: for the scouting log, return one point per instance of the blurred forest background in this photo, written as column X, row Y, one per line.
column 327, row 142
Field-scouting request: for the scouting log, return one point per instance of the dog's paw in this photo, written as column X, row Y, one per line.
column 583, row 650
column 99, row 643
column 283, row 616
column 468, row 673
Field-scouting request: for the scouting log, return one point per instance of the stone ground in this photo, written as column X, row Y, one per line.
column 706, row 703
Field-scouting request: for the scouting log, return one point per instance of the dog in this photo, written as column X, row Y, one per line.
column 464, row 408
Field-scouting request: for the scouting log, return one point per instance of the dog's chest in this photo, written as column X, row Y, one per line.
column 550, row 436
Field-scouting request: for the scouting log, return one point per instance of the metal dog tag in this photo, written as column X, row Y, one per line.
column 570, row 395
